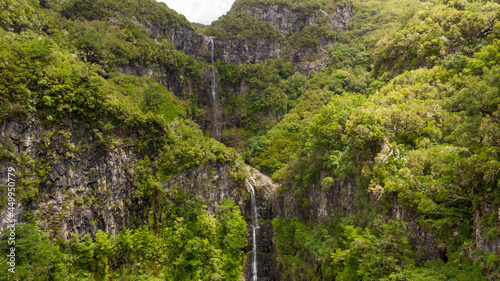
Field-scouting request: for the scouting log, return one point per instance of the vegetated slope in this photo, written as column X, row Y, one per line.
column 285, row 43
column 384, row 148
column 106, row 163
column 403, row 182
column 353, row 70
column 380, row 119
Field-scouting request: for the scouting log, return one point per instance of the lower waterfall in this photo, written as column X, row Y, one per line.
column 255, row 226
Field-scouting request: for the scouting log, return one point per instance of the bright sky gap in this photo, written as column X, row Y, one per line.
column 200, row 11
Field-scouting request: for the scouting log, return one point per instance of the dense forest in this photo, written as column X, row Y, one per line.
column 378, row 120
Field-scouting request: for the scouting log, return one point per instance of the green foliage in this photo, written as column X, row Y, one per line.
column 434, row 34
column 407, row 105
column 192, row 243
column 372, row 253
column 35, row 257
column 188, row 148
column 126, row 45
column 148, row 12
column 299, row 246
column 345, row 253
column 486, row 58
column 231, row 229
column 426, row 139
column 241, row 26
column 208, row 248
column 374, row 20
column 314, row 139
column 20, row 15
column 438, row 270
column 256, row 145
column 145, row 185
column 274, row 88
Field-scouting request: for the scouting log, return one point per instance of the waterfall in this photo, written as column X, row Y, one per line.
column 255, row 226
column 216, row 131
column 214, row 94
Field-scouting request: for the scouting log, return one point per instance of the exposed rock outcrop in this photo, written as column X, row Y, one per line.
column 339, row 198
column 481, row 240
column 81, row 186
column 247, row 51
column 190, row 42
column 322, row 201
column 342, row 18
column 288, row 22
column 265, row 190
column 182, row 37
column 278, row 16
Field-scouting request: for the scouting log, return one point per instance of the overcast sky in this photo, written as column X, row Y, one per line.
column 200, row 11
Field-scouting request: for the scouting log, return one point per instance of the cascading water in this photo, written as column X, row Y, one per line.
column 255, row 226
column 216, row 131
column 214, row 94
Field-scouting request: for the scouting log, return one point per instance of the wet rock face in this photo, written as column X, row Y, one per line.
column 183, row 38
column 323, row 201
column 480, row 238
column 278, row 16
column 267, row 266
column 190, row 42
column 287, row 22
column 421, row 240
column 89, row 186
column 247, row 51
column 342, row 18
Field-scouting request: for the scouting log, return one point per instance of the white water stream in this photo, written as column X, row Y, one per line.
column 255, row 226
column 214, row 95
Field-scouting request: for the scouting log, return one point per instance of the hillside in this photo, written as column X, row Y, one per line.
column 106, row 163
column 126, row 129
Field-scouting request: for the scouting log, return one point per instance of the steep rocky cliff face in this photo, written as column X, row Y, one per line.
column 80, row 186
column 422, row 240
column 323, row 202
column 278, row 16
column 247, row 51
column 289, row 23
column 253, row 50
column 190, row 42
column 340, row 199
column 288, row 20
column 256, row 50
column 342, row 18
column 184, row 38
column 79, row 178
column 195, row 85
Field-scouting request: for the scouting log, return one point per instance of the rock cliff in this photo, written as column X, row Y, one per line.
column 78, row 185
column 268, row 268
column 289, row 23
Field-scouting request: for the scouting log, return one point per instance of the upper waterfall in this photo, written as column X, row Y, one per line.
column 216, row 126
